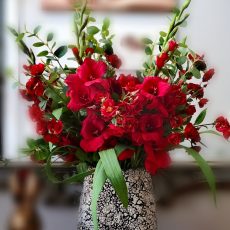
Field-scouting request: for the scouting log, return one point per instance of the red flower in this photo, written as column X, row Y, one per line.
column 71, row 157
column 55, row 126
column 126, row 154
column 195, row 90
column 35, row 112
column 54, row 139
column 129, row 82
column 161, row 60
column 155, row 159
column 176, row 121
column 114, row 60
column 41, row 127
column 208, row 75
column 92, row 133
column 222, row 124
column 150, row 129
column 80, row 95
column 108, row 108
column 190, row 110
column 36, row 70
column 191, row 133
column 89, row 50
column 75, row 51
column 91, row 71
column 95, row 132
column 155, row 86
column 35, row 87
column 174, row 138
column 172, row 45
column 203, row 102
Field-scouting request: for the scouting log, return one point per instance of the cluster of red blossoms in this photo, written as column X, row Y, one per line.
column 150, row 113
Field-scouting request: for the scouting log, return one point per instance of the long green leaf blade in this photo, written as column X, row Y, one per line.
column 205, row 168
column 113, row 171
column 98, row 183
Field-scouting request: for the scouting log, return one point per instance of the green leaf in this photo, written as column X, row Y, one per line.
column 43, row 53
column 61, row 51
column 148, row 50
column 38, row 44
column 37, row 29
column 92, row 30
column 73, row 179
column 50, row 37
column 20, row 37
column 13, row 31
column 98, row 183
column 120, row 148
column 113, row 171
column 57, row 113
column 181, row 60
column 206, row 169
column 106, row 24
column 201, row 117
column 196, row 73
column 147, row 41
column 163, row 34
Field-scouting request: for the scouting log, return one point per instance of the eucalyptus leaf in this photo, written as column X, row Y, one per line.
column 92, row 30
column 43, row 53
column 201, row 117
column 61, row 51
column 57, row 113
column 50, row 37
column 38, row 44
column 37, row 29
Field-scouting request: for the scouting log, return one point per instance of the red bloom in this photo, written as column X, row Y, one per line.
column 190, row 110
column 174, row 138
column 80, row 95
column 150, row 129
column 55, row 126
column 54, row 139
column 36, row 70
column 161, row 60
column 126, row 154
column 172, row 45
column 155, row 159
column 208, row 75
column 108, row 108
column 92, row 133
column 114, row 60
column 155, row 86
column 203, row 102
column 191, row 132
column 129, row 82
column 75, row 51
column 176, row 121
column 91, row 71
column 71, row 157
column 41, row 127
column 89, row 50
column 222, row 124
column 195, row 90
column 35, row 87
column 95, row 132
column 35, row 112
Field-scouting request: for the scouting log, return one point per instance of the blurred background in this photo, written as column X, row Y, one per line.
column 184, row 201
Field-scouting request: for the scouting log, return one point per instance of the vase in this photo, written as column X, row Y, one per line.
column 141, row 211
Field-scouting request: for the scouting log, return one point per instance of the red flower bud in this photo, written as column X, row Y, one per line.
column 89, row 50
column 172, row 45
column 208, row 75
column 203, row 102
column 75, row 51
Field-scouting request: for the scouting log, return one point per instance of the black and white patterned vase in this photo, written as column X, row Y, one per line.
column 141, row 212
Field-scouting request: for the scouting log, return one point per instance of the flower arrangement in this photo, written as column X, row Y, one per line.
column 91, row 117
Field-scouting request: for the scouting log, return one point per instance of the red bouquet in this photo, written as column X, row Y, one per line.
column 92, row 117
